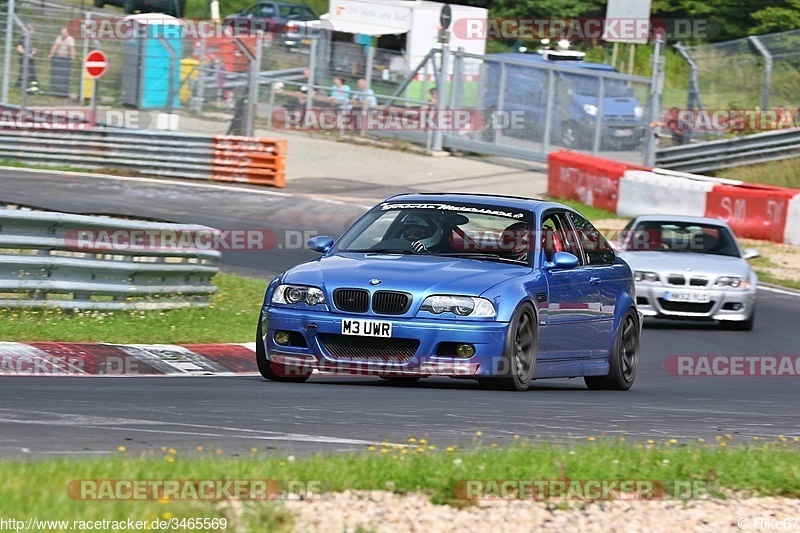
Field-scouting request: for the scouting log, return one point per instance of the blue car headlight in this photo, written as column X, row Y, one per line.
column 293, row 294
column 458, row 305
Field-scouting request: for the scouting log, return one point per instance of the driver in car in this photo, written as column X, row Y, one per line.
column 423, row 238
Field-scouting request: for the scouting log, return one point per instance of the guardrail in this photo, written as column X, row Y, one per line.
column 85, row 262
column 726, row 153
column 153, row 153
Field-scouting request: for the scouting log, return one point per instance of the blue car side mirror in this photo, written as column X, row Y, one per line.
column 563, row 260
column 320, row 244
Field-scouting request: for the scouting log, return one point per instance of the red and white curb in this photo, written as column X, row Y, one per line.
column 126, row 360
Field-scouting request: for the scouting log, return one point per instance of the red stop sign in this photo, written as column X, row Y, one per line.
column 95, row 64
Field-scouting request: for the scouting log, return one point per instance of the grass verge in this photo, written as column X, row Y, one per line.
column 231, row 317
column 785, row 173
column 39, row 489
column 590, row 212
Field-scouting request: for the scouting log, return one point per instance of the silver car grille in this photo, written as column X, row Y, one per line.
column 680, row 279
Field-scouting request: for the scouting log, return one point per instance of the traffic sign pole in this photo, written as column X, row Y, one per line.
column 95, row 66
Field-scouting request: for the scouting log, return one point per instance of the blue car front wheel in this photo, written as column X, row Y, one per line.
column 516, row 367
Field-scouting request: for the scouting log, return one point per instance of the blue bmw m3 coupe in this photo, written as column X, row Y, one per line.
column 500, row 289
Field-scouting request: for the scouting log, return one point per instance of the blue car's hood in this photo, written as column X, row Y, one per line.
column 418, row 274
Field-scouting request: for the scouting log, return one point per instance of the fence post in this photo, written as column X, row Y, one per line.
column 654, row 105
column 438, row 135
column 598, row 123
column 23, row 90
column 551, row 102
column 767, row 70
column 252, row 98
column 312, row 73
column 7, row 52
column 85, row 50
column 501, row 93
column 693, row 97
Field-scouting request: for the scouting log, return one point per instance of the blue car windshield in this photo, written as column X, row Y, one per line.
column 479, row 232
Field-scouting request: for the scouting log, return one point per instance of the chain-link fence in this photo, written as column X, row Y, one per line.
column 520, row 105
column 757, row 72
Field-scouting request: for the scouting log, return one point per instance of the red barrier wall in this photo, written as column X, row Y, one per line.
column 753, row 211
column 588, row 179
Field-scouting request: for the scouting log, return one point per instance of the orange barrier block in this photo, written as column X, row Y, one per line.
column 249, row 160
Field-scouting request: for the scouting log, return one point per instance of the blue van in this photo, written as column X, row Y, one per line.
column 576, row 101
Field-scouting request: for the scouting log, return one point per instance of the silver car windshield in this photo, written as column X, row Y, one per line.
column 688, row 237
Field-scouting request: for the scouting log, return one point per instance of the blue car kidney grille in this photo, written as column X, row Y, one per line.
column 351, row 347
column 390, row 302
column 352, row 300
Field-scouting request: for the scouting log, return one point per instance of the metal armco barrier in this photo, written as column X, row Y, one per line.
column 726, row 153
column 753, row 211
column 153, row 153
column 85, row 262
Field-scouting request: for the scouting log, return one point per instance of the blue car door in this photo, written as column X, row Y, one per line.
column 573, row 306
column 608, row 277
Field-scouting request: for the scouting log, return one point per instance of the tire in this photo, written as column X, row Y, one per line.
column 269, row 370
column 624, row 358
column 519, row 353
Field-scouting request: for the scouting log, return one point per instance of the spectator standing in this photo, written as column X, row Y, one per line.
column 25, row 49
column 62, row 55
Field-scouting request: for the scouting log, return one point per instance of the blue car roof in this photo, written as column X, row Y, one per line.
column 536, row 58
column 517, row 202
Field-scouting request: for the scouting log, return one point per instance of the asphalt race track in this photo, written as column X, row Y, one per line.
column 96, row 415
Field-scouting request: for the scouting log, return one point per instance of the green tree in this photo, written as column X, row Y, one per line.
column 783, row 17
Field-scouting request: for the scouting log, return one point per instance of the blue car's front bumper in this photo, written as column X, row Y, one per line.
column 324, row 348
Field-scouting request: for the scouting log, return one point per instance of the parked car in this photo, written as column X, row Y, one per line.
column 690, row 268
column 499, row 289
column 576, row 100
column 173, row 8
column 286, row 24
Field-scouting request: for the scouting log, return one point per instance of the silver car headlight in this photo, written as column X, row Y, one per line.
column 642, row 275
column 292, row 294
column 732, row 282
column 458, row 305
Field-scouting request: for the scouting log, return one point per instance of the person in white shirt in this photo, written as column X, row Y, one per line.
column 62, row 55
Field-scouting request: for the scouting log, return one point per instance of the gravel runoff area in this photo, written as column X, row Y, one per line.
column 386, row 512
